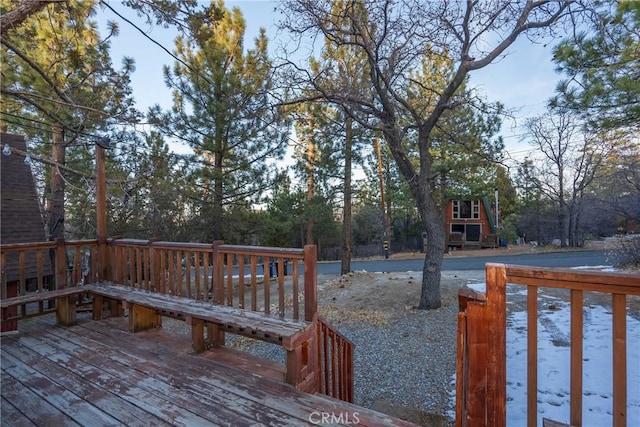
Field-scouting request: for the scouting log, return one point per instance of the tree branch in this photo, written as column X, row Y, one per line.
column 22, row 11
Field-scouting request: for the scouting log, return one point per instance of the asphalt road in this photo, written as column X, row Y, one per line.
column 548, row 259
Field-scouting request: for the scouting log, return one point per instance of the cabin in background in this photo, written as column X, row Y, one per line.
column 470, row 224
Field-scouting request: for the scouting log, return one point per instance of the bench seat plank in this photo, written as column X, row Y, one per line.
column 288, row 332
column 42, row 296
column 147, row 308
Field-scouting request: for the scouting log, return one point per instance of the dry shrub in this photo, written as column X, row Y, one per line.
column 626, row 252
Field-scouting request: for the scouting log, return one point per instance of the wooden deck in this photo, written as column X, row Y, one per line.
column 96, row 373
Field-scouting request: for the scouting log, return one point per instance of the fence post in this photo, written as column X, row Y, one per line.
column 466, row 297
column 61, row 264
column 217, row 275
column 496, row 276
column 310, row 282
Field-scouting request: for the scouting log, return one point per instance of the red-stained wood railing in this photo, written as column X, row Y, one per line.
column 280, row 281
column 277, row 281
column 335, row 362
column 481, row 362
column 38, row 267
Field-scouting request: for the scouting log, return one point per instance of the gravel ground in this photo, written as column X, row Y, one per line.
column 404, row 358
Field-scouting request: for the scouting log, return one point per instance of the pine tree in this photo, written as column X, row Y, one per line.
column 222, row 110
column 60, row 90
column 602, row 66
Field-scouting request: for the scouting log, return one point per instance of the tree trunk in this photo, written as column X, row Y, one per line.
column 383, row 205
column 56, row 200
column 563, row 224
column 432, row 222
column 217, row 198
column 430, row 213
column 346, row 209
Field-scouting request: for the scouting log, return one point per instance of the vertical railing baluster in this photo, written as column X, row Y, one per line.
column 208, row 283
column 281, row 296
column 619, row 333
column 532, row 356
column 230, row 279
column 139, row 267
column 267, row 283
column 189, row 254
column 577, row 331
column 254, row 283
column 241, row 281
column 294, row 289
column 40, row 268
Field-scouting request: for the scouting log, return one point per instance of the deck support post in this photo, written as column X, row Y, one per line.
column 197, row 334
column 301, row 366
column 116, row 308
column 142, row 318
column 66, row 310
column 215, row 335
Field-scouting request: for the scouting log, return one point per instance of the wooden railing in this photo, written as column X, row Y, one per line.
column 279, row 281
column 238, row 276
column 37, row 267
column 481, row 362
column 335, row 362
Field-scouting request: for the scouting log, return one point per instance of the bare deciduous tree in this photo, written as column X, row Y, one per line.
column 398, row 38
column 571, row 159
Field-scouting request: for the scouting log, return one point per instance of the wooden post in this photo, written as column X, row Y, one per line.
column 466, row 296
column 142, row 318
column 66, row 310
column 61, row 264
column 619, row 344
column 101, row 212
column 217, row 275
column 483, row 363
column 197, row 334
column 9, row 289
column 310, row 282
column 497, row 345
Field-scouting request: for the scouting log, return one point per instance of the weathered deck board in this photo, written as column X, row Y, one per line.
column 122, row 378
column 64, row 401
column 245, row 393
column 18, row 408
column 137, row 378
column 223, row 355
column 108, row 401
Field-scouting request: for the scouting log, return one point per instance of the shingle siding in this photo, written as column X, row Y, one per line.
column 20, row 217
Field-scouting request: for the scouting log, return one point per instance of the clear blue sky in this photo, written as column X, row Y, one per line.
column 522, row 81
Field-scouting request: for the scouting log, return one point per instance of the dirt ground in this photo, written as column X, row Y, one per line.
column 380, row 299
column 366, row 296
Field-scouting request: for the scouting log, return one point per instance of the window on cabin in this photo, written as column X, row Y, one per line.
column 466, row 209
column 457, row 228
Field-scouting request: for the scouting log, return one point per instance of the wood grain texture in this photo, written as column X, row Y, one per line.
column 96, row 373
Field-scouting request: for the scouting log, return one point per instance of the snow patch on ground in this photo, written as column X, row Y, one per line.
column 554, row 325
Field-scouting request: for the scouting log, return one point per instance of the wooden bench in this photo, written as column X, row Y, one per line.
column 65, row 302
column 146, row 309
column 456, row 240
column 489, row 241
